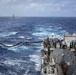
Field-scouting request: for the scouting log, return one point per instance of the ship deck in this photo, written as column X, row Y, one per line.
column 59, row 69
column 57, row 54
column 63, row 56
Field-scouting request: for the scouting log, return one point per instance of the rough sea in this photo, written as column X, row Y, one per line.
column 25, row 59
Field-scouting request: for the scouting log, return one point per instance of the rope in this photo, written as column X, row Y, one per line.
column 37, row 42
column 11, row 45
column 20, row 43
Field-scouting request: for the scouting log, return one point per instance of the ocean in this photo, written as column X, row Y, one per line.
column 25, row 59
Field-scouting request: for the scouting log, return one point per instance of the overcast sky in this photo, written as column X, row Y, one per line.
column 38, row 8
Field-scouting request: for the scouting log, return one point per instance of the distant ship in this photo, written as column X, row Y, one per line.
column 13, row 17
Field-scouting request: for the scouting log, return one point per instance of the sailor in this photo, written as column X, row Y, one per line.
column 65, row 69
column 71, row 44
column 62, row 64
column 48, row 53
column 48, row 42
column 58, row 43
column 75, row 47
column 45, row 44
column 53, row 43
column 61, row 43
column 64, row 45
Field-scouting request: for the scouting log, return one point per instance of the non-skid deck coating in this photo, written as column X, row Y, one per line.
column 60, row 72
column 58, row 54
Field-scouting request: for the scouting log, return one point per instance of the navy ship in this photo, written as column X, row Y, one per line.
column 58, row 56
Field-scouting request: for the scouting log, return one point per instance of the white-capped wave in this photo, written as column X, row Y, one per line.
column 24, row 48
column 39, row 33
column 57, row 28
column 44, row 35
column 11, row 73
column 4, row 34
column 21, row 37
column 50, row 26
column 2, row 73
column 57, row 36
column 48, row 29
column 41, row 38
column 37, row 60
column 40, row 29
column 11, row 63
column 17, row 49
column 63, row 31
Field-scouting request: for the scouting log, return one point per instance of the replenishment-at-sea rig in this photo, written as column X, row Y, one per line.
column 58, row 55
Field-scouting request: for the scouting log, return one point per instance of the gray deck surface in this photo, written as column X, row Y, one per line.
column 58, row 53
column 60, row 72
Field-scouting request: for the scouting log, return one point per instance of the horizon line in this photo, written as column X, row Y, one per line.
column 40, row 16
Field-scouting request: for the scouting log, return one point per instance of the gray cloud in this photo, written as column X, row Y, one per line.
column 38, row 7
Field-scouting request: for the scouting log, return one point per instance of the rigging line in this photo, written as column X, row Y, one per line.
column 11, row 45
column 23, row 43
column 36, row 41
